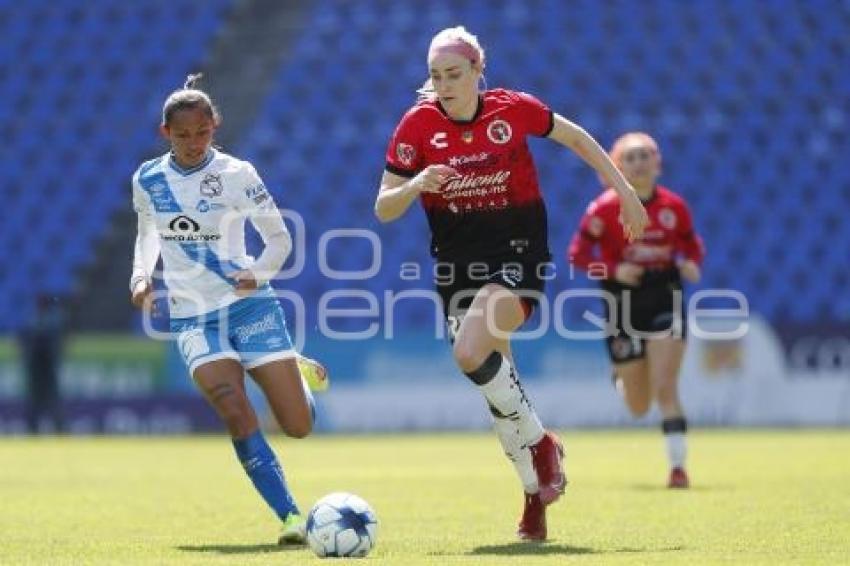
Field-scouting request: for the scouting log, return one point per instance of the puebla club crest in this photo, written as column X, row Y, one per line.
column 211, row 185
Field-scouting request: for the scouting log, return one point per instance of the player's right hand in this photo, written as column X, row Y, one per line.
column 629, row 273
column 633, row 216
column 432, row 178
column 142, row 295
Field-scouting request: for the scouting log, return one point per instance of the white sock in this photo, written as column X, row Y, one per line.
column 505, row 394
column 677, row 449
column 518, row 453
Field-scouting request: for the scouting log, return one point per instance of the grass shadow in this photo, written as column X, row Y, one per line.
column 236, row 548
column 628, row 550
column 694, row 488
column 549, row 548
column 530, row 548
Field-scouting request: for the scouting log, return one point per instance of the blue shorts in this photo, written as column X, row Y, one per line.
column 251, row 331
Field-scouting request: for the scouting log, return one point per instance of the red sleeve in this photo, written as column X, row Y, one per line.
column 538, row 117
column 689, row 243
column 582, row 252
column 404, row 153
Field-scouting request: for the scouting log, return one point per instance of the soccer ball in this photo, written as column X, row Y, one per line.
column 341, row 525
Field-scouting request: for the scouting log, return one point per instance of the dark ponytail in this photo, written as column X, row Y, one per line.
column 191, row 82
column 189, row 97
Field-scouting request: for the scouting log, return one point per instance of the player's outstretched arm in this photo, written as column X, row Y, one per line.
column 574, row 137
column 260, row 208
column 277, row 246
column 145, row 253
column 690, row 246
column 277, row 242
column 397, row 193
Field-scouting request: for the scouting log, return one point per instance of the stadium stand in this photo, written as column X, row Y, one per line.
column 748, row 100
column 82, row 85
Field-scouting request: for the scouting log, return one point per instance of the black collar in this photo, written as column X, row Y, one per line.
column 478, row 110
column 651, row 196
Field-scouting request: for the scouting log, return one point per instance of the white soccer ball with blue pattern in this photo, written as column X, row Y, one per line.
column 341, row 525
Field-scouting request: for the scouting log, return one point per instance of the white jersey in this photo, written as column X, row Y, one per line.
column 196, row 218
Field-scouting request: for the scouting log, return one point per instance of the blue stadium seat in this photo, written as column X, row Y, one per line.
column 712, row 85
column 749, row 109
column 68, row 70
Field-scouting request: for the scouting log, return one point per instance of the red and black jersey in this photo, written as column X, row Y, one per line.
column 669, row 236
column 494, row 210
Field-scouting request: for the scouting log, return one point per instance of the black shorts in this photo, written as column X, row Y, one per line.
column 457, row 284
column 657, row 305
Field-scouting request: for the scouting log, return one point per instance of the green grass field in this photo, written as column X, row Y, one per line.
column 760, row 497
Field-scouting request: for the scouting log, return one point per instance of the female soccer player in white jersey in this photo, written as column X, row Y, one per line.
column 192, row 204
column 463, row 152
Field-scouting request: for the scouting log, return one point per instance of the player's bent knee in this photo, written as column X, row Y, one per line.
column 300, row 429
column 638, row 412
column 467, row 357
column 638, row 408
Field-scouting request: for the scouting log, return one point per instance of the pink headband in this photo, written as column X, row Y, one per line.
column 456, row 47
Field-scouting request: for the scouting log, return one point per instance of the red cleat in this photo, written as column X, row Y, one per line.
column 548, row 456
column 678, row 479
column 532, row 525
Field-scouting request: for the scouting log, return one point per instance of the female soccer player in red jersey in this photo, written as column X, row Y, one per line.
column 644, row 280
column 463, row 152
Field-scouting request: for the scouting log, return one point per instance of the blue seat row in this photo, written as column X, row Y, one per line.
column 81, row 86
column 748, row 107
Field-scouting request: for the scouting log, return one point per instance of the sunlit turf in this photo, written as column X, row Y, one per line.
column 759, row 497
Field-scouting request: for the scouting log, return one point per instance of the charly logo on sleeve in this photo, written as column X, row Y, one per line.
column 211, row 185
column 439, row 140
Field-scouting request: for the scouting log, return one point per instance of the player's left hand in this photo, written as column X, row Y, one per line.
column 246, row 282
column 690, row 271
column 633, row 216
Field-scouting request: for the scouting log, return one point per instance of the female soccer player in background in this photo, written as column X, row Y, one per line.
column 464, row 153
column 192, row 204
column 644, row 277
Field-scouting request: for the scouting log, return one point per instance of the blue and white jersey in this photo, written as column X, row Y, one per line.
column 196, row 219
